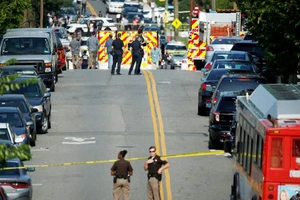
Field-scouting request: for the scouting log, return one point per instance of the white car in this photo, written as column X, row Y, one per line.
column 107, row 24
column 115, row 6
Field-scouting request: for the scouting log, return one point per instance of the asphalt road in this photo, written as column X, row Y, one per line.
column 96, row 115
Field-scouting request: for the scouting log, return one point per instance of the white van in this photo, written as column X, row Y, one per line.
column 115, row 6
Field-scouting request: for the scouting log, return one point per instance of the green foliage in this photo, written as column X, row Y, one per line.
column 276, row 26
column 12, row 13
column 22, row 152
column 224, row 4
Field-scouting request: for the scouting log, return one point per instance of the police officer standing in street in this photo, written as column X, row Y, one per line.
column 117, row 48
column 155, row 166
column 136, row 55
column 143, row 43
column 121, row 170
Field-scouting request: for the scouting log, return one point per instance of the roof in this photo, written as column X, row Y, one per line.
column 279, row 100
column 3, row 125
column 25, row 34
column 246, row 42
column 11, row 96
column 9, row 109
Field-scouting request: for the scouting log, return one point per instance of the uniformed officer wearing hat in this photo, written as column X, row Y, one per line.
column 155, row 166
column 121, row 170
column 136, row 55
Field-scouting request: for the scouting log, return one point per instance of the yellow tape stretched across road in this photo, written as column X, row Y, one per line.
column 93, row 162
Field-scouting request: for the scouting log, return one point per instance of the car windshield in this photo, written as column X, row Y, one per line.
column 25, row 46
column 15, row 103
column 232, row 65
column 224, row 41
column 31, row 91
column 12, row 118
column 175, row 47
column 4, row 135
column 137, row 6
column 215, row 75
column 240, row 84
column 67, row 11
column 228, row 55
column 10, row 172
column 227, row 104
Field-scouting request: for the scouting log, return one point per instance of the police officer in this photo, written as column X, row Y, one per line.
column 117, row 48
column 136, row 55
column 155, row 166
column 143, row 43
column 121, row 170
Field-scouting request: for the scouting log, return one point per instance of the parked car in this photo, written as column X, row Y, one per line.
column 176, row 60
column 237, row 55
column 15, row 118
column 207, row 86
column 221, row 118
column 237, row 82
column 19, row 69
column 16, row 182
column 220, row 44
column 7, row 135
column 40, row 98
column 29, row 113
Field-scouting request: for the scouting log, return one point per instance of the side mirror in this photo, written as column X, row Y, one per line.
column 47, row 94
column 30, row 169
column 29, row 123
column 209, row 88
column 33, row 110
column 48, row 90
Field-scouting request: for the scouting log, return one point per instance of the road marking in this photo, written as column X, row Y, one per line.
column 162, row 134
column 78, row 140
column 93, row 162
column 40, row 149
column 91, row 8
column 37, row 184
column 154, row 122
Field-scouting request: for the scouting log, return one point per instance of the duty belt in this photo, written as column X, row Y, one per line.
column 121, row 176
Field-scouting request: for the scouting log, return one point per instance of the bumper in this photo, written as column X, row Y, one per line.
column 216, row 132
column 205, row 102
column 23, row 194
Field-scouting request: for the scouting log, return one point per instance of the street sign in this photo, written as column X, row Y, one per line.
column 176, row 23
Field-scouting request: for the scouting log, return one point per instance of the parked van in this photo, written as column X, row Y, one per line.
column 31, row 48
column 53, row 42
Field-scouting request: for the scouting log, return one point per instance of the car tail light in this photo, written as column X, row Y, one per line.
column 208, row 100
column 207, row 66
column 15, row 185
column 244, row 79
column 209, row 48
column 215, row 100
column 217, row 116
column 204, row 85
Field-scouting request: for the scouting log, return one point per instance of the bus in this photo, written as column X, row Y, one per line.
column 266, row 158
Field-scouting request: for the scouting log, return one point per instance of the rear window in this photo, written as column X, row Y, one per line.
column 233, row 65
column 215, row 75
column 224, row 41
column 14, row 103
column 251, row 48
column 227, row 104
column 228, row 56
column 240, row 84
column 12, row 118
column 175, row 47
column 31, row 91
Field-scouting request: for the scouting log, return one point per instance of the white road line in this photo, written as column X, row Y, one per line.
column 37, row 184
column 85, row 142
column 40, row 149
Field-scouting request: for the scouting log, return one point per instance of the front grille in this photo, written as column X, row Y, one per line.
column 38, row 64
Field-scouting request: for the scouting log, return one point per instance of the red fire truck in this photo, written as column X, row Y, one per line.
column 267, row 144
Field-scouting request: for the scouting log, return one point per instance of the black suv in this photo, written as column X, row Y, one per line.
column 40, row 98
column 221, row 118
column 237, row 83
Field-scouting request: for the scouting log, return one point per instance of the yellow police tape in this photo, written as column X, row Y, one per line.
column 92, row 162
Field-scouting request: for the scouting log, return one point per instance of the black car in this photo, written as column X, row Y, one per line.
column 236, row 83
column 15, row 118
column 19, row 69
column 208, row 84
column 40, row 98
column 29, row 113
column 221, row 118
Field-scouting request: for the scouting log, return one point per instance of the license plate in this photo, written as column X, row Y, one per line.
column 208, row 105
column 294, row 174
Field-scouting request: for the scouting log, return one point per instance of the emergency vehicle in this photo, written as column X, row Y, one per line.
column 267, row 141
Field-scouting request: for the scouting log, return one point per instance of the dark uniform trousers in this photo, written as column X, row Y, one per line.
column 136, row 59
column 117, row 59
column 121, row 184
column 153, row 189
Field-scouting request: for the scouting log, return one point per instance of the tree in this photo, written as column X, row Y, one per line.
column 276, row 26
column 12, row 13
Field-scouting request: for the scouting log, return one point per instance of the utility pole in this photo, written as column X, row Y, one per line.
column 191, row 12
column 234, row 5
column 176, row 17
column 41, row 13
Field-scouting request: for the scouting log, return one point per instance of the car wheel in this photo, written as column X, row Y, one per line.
column 52, row 87
column 45, row 125
column 212, row 144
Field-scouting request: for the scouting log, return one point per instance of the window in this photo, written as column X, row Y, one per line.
column 4, row 135
column 260, row 152
column 244, row 150
column 250, row 154
column 276, row 153
column 296, row 148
